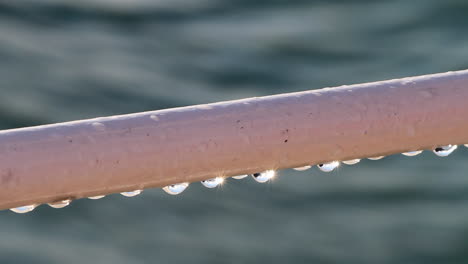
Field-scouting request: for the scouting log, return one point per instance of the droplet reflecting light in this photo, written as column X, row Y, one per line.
column 23, row 209
column 329, row 166
column 212, row 183
column 444, row 151
column 240, row 177
column 132, row 193
column 175, row 189
column 59, row 204
column 351, row 162
column 376, row 158
column 303, row 168
column 412, row 153
column 96, row 197
column 264, row 176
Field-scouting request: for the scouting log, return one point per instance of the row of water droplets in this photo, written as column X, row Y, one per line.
column 442, row 151
column 172, row 189
column 261, row 177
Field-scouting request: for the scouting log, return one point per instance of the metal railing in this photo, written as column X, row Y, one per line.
column 90, row 158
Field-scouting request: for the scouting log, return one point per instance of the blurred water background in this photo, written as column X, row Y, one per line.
column 65, row 60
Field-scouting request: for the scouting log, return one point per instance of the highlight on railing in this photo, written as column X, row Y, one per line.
column 56, row 164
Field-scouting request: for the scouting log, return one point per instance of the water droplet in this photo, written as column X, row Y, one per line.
column 132, row 193
column 175, row 189
column 327, row 167
column 23, row 209
column 412, row 153
column 466, row 145
column 376, row 158
column 60, row 204
column 351, row 162
column 303, row 168
column 264, row 176
column 240, row 177
column 444, row 151
column 96, row 197
column 212, row 183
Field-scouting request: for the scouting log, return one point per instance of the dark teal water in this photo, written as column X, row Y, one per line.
column 64, row 60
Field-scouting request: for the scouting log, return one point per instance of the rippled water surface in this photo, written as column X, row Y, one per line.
column 64, row 60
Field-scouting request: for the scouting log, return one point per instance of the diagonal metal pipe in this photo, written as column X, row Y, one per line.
column 153, row 149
